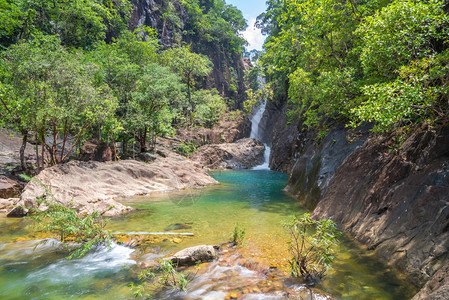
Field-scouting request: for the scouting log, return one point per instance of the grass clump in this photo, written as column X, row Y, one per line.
column 238, row 234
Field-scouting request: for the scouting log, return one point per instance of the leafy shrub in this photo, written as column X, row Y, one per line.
column 399, row 33
column 331, row 94
column 186, row 149
column 87, row 232
column 312, row 247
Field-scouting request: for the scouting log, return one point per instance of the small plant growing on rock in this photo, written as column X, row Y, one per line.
column 238, row 235
column 312, row 247
column 82, row 232
column 186, row 149
column 164, row 275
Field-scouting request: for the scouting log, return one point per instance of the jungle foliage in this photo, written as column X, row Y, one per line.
column 72, row 71
column 378, row 61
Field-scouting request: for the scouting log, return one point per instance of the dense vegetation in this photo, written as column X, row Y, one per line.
column 72, row 71
column 378, row 61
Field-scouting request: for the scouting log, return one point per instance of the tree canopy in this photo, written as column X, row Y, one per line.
column 377, row 61
column 72, row 71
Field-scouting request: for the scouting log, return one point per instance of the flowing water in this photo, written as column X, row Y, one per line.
column 253, row 198
column 255, row 134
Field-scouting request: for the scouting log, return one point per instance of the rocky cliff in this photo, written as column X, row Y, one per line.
column 390, row 194
column 169, row 19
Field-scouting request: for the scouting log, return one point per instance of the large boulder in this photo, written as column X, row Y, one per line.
column 227, row 130
column 95, row 150
column 192, row 255
column 10, row 143
column 243, row 154
column 7, row 204
column 95, row 186
column 9, row 188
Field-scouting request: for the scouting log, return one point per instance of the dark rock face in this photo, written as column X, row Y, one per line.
column 150, row 13
column 243, row 154
column 390, row 196
column 95, row 150
column 396, row 203
column 317, row 163
column 436, row 288
column 225, row 67
column 227, row 130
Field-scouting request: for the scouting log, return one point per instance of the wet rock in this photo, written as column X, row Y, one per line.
column 94, row 186
column 9, row 188
column 192, row 255
column 316, row 165
column 243, row 154
column 280, row 135
column 437, row 288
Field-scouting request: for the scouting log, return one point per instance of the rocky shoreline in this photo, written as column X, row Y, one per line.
column 390, row 195
column 90, row 186
column 96, row 186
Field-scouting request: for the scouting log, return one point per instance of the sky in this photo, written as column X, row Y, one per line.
column 251, row 9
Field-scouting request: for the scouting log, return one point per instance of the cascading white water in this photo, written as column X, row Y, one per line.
column 255, row 122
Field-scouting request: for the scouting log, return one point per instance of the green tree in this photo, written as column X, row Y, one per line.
column 419, row 94
column 358, row 61
column 188, row 65
column 148, row 113
column 79, row 23
column 399, row 33
column 10, row 21
column 121, row 64
column 209, row 107
column 49, row 90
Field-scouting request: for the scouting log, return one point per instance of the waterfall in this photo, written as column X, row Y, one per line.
column 255, row 122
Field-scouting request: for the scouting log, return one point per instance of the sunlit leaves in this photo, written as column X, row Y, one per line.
column 399, row 33
column 375, row 61
column 51, row 92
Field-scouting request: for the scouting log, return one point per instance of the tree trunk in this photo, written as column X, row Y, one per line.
column 22, row 149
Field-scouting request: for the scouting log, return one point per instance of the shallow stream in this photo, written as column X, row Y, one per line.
column 254, row 199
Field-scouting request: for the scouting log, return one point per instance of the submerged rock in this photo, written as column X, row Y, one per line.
column 243, row 154
column 192, row 255
column 94, row 186
column 178, row 226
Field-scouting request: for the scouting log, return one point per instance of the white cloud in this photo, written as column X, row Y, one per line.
column 254, row 36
